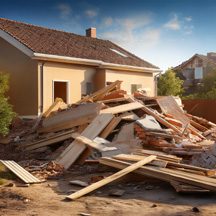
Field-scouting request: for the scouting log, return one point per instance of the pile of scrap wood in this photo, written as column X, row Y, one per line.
column 120, row 128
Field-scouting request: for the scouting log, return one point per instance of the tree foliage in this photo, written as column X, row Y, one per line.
column 6, row 111
column 169, row 84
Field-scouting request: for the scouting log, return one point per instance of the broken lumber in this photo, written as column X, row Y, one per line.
column 74, row 150
column 110, row 127
column 165, row 174
column 47, row 141
column 20, row 172
column 122, row 108
column 111, row 178
column 91, row 143
column 100, row 93
column 82, row 114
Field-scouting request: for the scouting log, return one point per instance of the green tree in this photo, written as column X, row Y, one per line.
column 169, row 84
column 6, row 111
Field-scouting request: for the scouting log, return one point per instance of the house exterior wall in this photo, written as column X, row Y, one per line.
column 129, row 78
column 23, row 79
column 77, row 76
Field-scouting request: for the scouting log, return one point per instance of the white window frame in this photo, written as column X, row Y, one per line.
column 68, row 89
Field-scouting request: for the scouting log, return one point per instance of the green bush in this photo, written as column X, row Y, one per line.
column 6, row 111
column 169, row 84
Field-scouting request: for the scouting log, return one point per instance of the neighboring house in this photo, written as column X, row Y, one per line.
column 44, row 64
column 194, row 69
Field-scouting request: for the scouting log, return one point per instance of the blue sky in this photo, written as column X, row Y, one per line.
column 164, row 32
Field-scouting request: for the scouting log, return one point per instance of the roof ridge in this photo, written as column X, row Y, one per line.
column 51, row 29
column 57, row 42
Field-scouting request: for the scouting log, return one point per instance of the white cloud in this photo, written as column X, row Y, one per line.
column 173, row 23
column 134, row 33
column 91, row 13
column 188, row 19
column 64, row 9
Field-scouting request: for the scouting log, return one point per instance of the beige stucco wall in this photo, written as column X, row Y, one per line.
column 23, row 78
column 128, row 78
column 77, row 76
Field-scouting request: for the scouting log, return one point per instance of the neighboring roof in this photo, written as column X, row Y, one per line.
column 202, row 57
column 54, row 42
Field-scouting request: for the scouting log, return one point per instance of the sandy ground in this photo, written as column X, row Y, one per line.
column 146, row 197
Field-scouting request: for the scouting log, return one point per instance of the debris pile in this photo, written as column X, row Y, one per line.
column 151, row 136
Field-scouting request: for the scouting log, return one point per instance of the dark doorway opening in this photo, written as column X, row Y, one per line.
column 60, row 90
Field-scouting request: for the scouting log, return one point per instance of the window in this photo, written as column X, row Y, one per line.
column 198, row 74
column 88, row 88
column 135, row 87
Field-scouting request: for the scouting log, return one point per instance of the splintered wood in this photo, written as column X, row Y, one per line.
column 151, row 136
column 111, row 178
column 74, row 150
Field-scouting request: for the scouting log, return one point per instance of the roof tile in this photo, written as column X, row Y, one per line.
column 54, row 42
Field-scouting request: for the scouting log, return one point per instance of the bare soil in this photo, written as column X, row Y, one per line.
column 142, row 196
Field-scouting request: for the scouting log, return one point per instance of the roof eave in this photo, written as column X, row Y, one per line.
column 92, row 62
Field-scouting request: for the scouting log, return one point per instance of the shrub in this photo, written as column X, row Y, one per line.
column 6, row 111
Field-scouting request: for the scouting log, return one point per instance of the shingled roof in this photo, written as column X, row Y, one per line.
column 54, row 42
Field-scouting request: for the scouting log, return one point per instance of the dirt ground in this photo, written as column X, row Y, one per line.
column 142, row 197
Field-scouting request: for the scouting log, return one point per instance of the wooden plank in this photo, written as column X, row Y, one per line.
column 181, row 187
column 160, row 155
column 82, row 114
column 166, row 174
column 23, row 174
column 47, row 141
column 111, row 178
column 127, row 157
column 74, row 150
column 91, row 143
column 53, row 107
column 114, row 100
column 110, row 127
column 122, row 108
column 100, row 93
column 129, row 116
column 168, row 164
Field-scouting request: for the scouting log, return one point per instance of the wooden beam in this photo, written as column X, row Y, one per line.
column 100, row 93
column 74, row 150
column 111, row 178
column 123, row 108
column 91, row 143
column 47, row 141
column 110, row 127
column 127, row 157
column 82, row 114
column 165, row 174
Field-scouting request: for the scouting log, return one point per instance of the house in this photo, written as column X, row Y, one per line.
column 45, row 63
column 195, row 69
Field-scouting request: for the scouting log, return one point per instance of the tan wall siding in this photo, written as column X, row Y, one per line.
column 128, row 78
column 23, row 78
column 76, row 75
